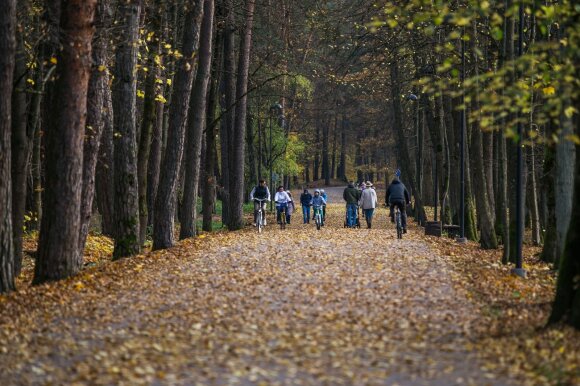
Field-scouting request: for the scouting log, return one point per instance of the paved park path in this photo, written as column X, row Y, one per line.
column 295, row 307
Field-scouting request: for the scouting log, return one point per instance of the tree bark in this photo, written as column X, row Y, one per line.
column 20, row 149
column 98, row 86
column 325, row 163
column 237, row 171
column 8, row 49
column 228, row 108
column 104, row 176
column 164, row 216
column 564, row 184
column 209, row 187
column 197, row 124
column 488, row 239
column 147, row 123
column 58, row 254
column 126, row 200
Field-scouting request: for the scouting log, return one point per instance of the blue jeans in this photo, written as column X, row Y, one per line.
column 351, row 214
column 306, row 213
column 369, row 215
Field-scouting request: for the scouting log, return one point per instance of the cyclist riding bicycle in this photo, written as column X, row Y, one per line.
column 397, row 195
column 281, row 199
column 260, row 195
column 318, row 203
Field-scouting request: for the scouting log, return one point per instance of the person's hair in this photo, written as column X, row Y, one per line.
column 262, row 181
column 281, row 187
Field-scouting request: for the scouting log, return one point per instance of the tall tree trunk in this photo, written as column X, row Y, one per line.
column 164, row 216
column 126, row 201
column 488, row 239
column 147, row 123
column 315, row 175
column 342, row 167
column 104, row 176
column 502, row 217
column 567, row 302
column 8, row 49
column 209, row 187
column 228, row 108
column 564, row 183
column 98, row 86
column 237, row 171
column 334, row 140
column 533, row 197
column 58, row 254
column 325, row 164
column 252, row 179
column 197, row 124
column 20, row 148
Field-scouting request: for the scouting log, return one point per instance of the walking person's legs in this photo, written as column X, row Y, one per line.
column 351, row 215
column 369, row 216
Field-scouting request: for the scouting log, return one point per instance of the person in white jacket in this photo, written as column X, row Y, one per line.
column 281, row 198
column 368, row 202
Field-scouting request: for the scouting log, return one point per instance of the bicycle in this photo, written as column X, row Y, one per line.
column 283, row 210
column 398, row 223
column 318, row 219
column 259, row 215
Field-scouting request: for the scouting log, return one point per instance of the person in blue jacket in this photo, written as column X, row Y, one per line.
column 318, row 203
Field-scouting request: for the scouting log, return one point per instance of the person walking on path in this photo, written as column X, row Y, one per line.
column 352, row 196
column 368, row 202
column 281, row 198
column 291, row 207
column 306, row 202
column 397, row 195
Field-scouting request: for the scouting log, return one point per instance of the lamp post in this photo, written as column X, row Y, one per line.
column 519, row 270
column 275, row 107
column 462, row 238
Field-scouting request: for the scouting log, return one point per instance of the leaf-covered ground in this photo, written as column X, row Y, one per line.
column 293, row 307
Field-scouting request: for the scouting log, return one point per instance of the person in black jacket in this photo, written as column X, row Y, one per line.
column 306, row 202
column 352, row 196
column 397, row 195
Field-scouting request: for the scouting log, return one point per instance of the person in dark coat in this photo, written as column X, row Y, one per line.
column 352, row 196
column 398, row 195
column 306, row 202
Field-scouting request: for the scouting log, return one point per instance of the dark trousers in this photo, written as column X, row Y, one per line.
column 403, row 208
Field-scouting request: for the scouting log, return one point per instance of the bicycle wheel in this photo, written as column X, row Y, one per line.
column 399, row 227
column 318, row 222
column 260, row 222
column 283, row 219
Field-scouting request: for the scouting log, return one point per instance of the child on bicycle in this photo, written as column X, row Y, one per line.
column 281, row 198
column 318, row 202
